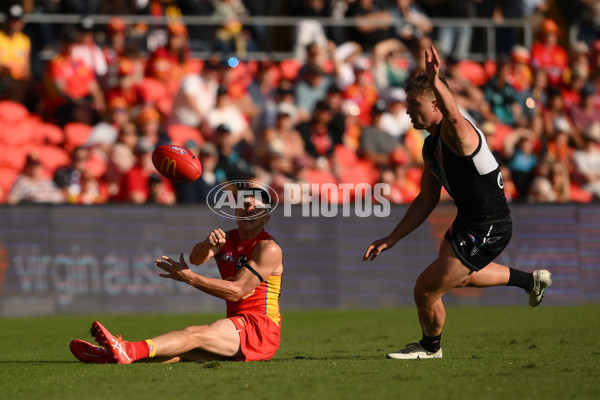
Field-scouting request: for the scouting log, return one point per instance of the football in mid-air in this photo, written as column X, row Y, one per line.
column 176, row 163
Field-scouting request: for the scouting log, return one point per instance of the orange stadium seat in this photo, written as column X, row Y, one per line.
column 12, row 112
column 241, row 75
column 76, row 134
column 195, row 65
column 319, row 177
column 164, row 105
column 14, row 156
column 344, row 157
column 153, row 90
column 473, row 71
column 52, row 157
column 49, row 134
column 414, row 174
column 578, row 195
column 7, row 178
column 328, row 67
column 18, row 133
column 361, row 172
column 180, row 134
column 489, row 66
column 289, row 69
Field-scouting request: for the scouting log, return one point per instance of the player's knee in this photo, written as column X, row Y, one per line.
column 423, row 294
column 420, row 294
column 197, row 334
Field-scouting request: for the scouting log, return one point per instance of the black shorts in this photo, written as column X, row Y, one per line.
column 477, row 245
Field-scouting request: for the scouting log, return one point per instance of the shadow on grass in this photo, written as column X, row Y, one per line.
column 40, row 362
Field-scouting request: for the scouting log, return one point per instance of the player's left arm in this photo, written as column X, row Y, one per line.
column 266, row 260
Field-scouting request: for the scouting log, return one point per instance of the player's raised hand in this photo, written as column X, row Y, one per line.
column 177, row 270
column 217, row 237
column 432, row 64
column 377, row 247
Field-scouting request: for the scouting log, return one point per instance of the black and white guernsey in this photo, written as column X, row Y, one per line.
column 474, row 181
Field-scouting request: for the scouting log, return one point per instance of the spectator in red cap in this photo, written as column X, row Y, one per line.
column 127, row 85
column 547, row 54
column 363, row 91
column 520, row 75
column 171, row 62
column 149, row 123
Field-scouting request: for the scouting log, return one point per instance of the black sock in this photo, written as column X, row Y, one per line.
column 431, row 343
column 521, row 279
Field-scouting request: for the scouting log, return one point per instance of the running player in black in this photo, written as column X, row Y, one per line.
column 458, row 158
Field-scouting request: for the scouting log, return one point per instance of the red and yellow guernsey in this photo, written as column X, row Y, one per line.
column 262, row 300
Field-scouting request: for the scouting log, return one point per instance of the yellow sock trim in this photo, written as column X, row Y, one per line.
column 152, row 347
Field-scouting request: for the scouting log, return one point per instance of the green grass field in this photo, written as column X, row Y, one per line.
column 489, row 353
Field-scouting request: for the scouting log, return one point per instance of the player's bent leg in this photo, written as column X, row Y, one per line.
column 492, row 275
column 218, row 340
column 444, row 274
column 439, row 277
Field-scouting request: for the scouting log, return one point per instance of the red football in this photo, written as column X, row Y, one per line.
column 176, row 163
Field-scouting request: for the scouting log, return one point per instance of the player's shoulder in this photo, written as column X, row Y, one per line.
column 268, row 247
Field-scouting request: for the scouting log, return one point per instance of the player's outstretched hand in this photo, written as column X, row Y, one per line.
column 177, row 270
column 217, row 237
column 432, row 64
column 377, row 247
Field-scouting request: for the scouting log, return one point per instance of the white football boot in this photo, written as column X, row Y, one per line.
column 541, row 280
column 413, row 351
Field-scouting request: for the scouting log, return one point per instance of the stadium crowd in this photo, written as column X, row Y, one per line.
column 82, row 106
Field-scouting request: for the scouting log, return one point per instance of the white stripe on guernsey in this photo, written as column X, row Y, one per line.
column 484, row 160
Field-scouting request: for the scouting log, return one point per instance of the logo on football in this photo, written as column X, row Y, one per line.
column 179, row 149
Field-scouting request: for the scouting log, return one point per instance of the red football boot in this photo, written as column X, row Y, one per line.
column 115, row 346
column 90, row 353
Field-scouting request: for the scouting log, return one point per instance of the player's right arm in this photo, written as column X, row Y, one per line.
column 209, row 248
column 462, row 139
column 416, row 214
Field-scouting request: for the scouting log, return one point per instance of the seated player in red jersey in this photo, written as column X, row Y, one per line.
column 250, row 263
